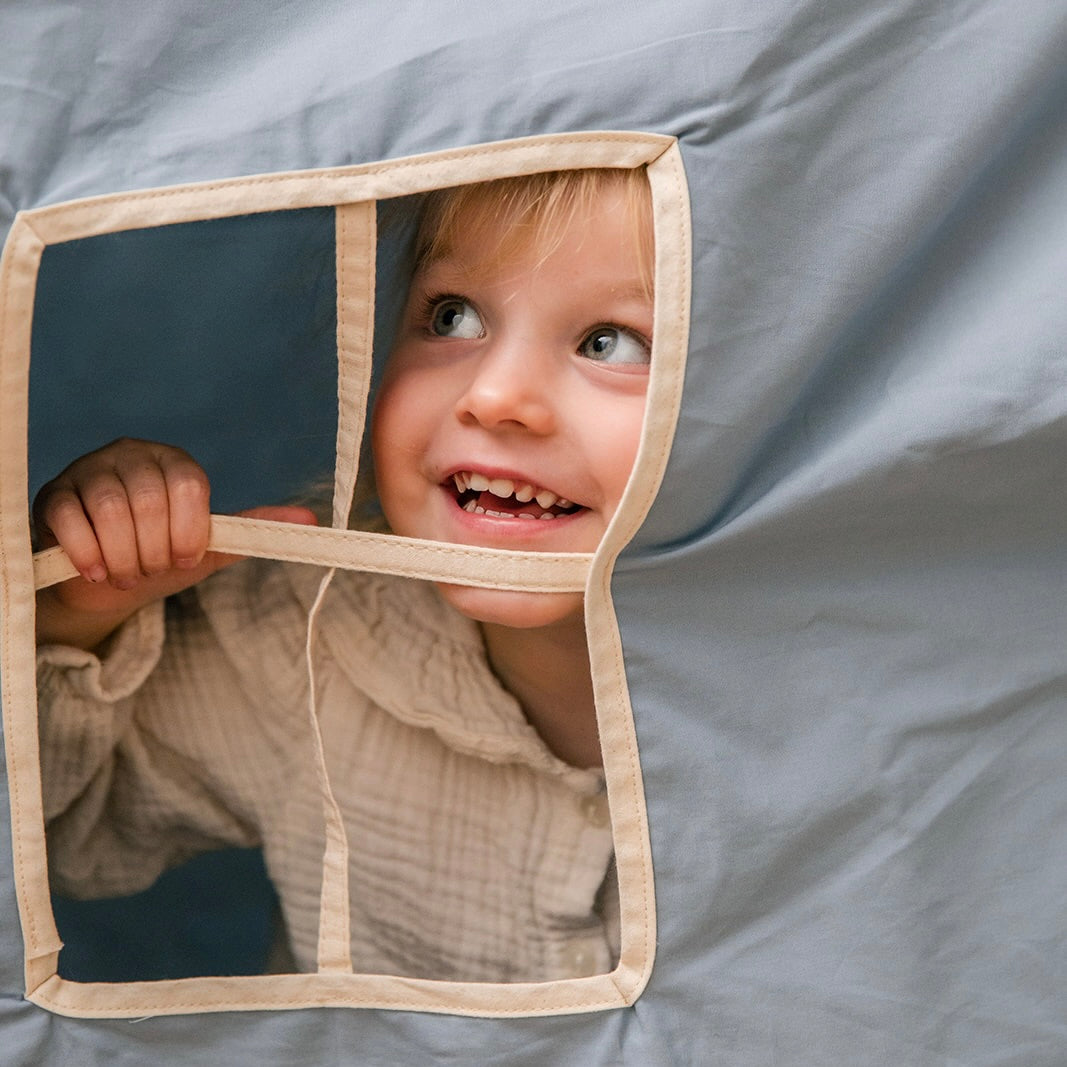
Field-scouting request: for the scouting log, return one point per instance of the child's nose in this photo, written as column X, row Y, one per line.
column 510, row 385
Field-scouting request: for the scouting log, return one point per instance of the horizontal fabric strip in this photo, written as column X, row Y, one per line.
column 487, row 568
column 315, row 188
column 279, row 992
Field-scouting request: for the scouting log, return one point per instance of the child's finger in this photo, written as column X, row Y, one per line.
column 108, row 508
column 189, row 494
column 63, row 521
column 146, row 494
column 296, row 514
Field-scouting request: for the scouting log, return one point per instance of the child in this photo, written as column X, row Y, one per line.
column 459, row 724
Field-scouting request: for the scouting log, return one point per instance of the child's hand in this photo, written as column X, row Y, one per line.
column 134, row 519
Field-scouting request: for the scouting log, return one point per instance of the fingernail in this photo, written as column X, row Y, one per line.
column 186, row 562
column 97, row 573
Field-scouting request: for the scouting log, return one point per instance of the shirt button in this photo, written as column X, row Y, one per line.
column 595, row 810
column 579, row 960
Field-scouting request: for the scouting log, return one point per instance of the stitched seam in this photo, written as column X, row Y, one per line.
column 438, row 547
column 344, row 174
column 548, row 584
column 365, row 341
column 14, row 777
column 663, row 448
column 169, row 1006
column 341, row 260
column 681, row 324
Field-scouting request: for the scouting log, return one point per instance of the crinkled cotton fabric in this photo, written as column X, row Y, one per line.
column 476, row 855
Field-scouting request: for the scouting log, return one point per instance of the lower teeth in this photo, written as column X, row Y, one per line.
column 474, row 508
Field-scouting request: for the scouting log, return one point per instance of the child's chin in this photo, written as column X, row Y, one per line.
column 521, row 611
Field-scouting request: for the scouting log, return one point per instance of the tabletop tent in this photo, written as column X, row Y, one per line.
column 834, row 599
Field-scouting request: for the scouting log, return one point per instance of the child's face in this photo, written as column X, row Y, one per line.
column 512, row 403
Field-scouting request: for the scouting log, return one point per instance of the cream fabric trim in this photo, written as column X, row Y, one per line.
column 341, row 185
column 192, row 996
column 334, row 954
column 20, row 574
column 18, row 696
column 618, row 739
column 550, row 572
column 356, row 248
column 356, row 245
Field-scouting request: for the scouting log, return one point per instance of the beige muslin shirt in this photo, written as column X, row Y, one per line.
column 475, row 854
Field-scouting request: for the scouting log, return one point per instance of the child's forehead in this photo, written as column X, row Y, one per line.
column 484, row 239
column 482, row 233
column 477, row 247
column 550, row 226
column 490, row 256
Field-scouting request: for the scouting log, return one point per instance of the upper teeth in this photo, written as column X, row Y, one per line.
column 523, row 492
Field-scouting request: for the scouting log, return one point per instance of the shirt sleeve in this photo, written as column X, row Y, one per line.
column 84, row 700
column 156, row 750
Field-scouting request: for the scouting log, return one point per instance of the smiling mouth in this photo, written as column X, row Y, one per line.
column 504, row 498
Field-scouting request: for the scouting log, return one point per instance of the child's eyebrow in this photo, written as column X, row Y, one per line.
column 451, row 272
column 633, row 291
column 454, row 270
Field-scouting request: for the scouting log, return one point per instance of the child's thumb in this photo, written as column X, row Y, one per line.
column 299, row 516
column 283, row 513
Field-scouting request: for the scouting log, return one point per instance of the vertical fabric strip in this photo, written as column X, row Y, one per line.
column 626, row 797
column 335, row 938
column 18, row 279
column 356, row 236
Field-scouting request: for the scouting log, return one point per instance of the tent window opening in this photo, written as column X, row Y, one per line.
column 404, row 716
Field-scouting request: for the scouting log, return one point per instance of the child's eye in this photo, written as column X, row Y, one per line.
column 612, row 344
column 452, row 317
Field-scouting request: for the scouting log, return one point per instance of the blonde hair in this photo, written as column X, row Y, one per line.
column 532, row 209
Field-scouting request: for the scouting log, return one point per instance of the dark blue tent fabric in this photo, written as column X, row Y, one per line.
column 213, row 915
column 232, row 320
